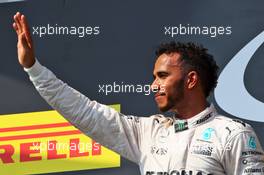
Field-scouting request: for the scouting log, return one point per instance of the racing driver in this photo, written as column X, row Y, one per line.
column 195, row 141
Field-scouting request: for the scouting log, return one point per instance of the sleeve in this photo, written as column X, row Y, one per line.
column 243, row 155
column 114, row 130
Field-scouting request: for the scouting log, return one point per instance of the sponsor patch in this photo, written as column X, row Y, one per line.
column 250, row 152
column 205, row 150
column 177, row 172
column 252, row 143
column 254, row 170
column 249, row 161
column 158, row 150
column 207, row 134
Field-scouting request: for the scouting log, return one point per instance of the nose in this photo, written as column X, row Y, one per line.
column 155, row 86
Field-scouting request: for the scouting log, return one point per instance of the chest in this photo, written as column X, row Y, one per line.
column 187, row 152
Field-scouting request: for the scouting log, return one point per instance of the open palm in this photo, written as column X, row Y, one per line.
column 25, row 49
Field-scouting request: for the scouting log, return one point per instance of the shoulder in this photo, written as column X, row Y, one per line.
column 231, row 124
column 228, row 128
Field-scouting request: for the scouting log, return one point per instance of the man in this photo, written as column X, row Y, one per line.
column 196, row 141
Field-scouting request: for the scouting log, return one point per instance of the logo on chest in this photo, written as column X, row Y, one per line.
column 205, row 150
column 156, row 150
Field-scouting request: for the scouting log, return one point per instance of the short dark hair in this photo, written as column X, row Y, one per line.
column 194, row 57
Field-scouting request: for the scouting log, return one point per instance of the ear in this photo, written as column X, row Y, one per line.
column 192, row 79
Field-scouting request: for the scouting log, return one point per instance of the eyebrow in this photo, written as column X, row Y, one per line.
column 160, row 73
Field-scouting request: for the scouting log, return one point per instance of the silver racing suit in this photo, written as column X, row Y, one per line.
column 205, row 144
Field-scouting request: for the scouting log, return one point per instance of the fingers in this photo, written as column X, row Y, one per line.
column 22, row 40
column 26, row 29
column 24, row 23
column 21, row 27
column 15, row 28
column 17, row 19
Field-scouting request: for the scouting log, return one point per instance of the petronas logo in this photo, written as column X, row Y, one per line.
column 180, row 126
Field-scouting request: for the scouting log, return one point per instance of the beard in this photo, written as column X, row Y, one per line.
column 176, row 98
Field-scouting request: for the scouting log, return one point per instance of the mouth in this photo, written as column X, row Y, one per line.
column 159, row 95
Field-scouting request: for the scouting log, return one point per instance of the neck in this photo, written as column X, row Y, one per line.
column 190, row 108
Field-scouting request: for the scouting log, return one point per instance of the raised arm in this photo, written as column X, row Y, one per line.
column 105, row 125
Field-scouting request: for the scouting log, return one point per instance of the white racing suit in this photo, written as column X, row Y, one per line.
column 205, row 144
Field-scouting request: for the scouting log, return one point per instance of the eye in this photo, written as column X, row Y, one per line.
column 163, row 75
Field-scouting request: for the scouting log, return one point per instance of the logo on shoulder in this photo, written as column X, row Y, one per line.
column 207, row 134
column 249, row 153
column 254, row 170
column 252, row 161
column 252, row 143
column 239, row 121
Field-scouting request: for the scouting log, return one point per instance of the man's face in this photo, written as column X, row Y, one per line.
column 168, row 81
